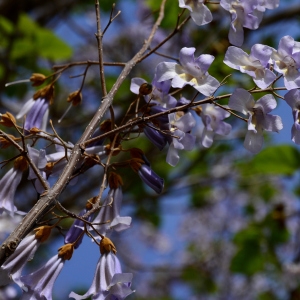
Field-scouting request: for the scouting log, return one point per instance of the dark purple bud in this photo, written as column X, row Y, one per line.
column 157, row 109
column 151, row 178
column 76, row 230
column 156, row 137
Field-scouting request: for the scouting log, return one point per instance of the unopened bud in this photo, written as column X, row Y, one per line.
column 75, row 98
column 37, row 79
column 7, row 120
column 21, row 163
column 106, row 246
column 42, row 233
column 49, row 166
column 4, row 143
column 90, row 202
column 145, row 89
column 46, row 92
column 114, row 180
column 105, row 126
column 136, row 163
column 66, row 251
column 34, row 130
column 198, row 110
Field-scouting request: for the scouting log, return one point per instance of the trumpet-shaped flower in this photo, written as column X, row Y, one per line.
column 255, row 64
column 109, row 282
column 287, row 61
column 191, row 71
column 200, row 14
column 259, row 118
column 212, row 117
column 39, row 284
column 9, row 184
column 293, row 100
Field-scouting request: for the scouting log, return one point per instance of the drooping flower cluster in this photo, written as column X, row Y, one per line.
column 244, row 14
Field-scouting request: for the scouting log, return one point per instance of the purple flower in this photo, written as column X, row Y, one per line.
column 287, row 61
column 180, row 126
column 212, row 117
column 241, row 16
column 191, row 71
column 293, row 100
column 160, row 92
column 259, row 118
column 256, row 64
column 109, row 282
column 110, row 211
column 39, row 284
column 14, row 265
column 9, row 183
column 200, row 14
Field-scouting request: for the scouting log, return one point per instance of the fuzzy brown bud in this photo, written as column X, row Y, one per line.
column 136, row 163
column 106, row 245
column 114, row 180
column 34, row 130
column 5, row 143
column 75, row 98
column 21, row 163
column 105, row 126
column 42, row 233
column 198, row 110
column 7, row 120
column 37, row 79
column 90, row 202
column 145, row 89
column 66, row 251
column 46, row 92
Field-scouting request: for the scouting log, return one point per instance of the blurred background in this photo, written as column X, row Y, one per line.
column 227, row 225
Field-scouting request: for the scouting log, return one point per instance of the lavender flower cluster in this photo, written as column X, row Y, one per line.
column 172, row 123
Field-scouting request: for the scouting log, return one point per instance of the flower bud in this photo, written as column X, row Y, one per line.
column 46, row 92
column 75, row 98
column 20, row 163
column 7, row 120
column 42, row 233
column 66, row 251
column 37, row 79
column 4, row 143
column 145, row 89
column 106, row 246
column 90, row 202
column 114, row 180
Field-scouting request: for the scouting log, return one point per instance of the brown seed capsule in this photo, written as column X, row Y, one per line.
column 75, row 98
column 66, row 251
column 145, row 89
column 42, row 233
column 37, row 79
column 7, row 120
column 106, row 245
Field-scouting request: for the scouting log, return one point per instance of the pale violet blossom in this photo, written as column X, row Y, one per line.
column 180, row 126
column 109, row 282
column 256, row 64
column 241, row 16
column 287, row 61
column 160, row 92
column 200, row 14
column 13, row 266
column 39, row 284
column 212, row 117
column 292, row 98
column 258, row 115
column 191, row 71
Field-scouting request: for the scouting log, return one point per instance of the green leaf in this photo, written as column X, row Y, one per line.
column 277, row 160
